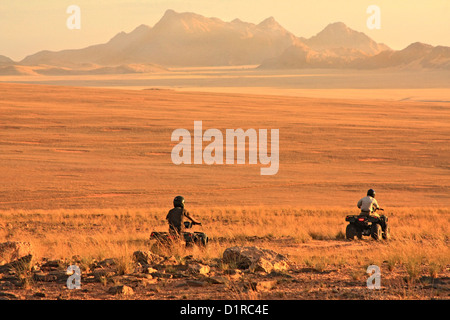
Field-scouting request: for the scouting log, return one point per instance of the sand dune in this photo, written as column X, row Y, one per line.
column 16, row 70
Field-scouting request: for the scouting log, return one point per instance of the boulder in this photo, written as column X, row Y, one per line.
column 256, row 259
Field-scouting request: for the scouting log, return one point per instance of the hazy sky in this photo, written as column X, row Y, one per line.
column 28, row 26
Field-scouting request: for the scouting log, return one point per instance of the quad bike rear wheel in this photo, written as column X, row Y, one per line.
column 350, row 232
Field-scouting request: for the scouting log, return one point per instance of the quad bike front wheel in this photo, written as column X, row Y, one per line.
column 201, row 240
column 387, row 233
column 376, row 231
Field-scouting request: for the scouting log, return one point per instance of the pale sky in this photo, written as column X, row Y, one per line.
column 28, row 26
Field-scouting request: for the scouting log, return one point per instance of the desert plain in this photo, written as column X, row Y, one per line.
column 87, row 175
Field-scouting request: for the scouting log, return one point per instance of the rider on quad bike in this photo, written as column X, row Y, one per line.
column 177, row 215
column 368, row 222
column 368, row 204
column 178, row 228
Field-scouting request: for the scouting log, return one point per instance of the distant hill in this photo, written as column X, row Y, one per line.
column 416, row 55
column 338, row 35
column 301, row 57
column 180, row 39
column 5, row 60
column 191, row 40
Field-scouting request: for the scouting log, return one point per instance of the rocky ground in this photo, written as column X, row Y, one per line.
column 243, row 273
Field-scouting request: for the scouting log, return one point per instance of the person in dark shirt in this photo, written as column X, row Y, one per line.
column 177, row 215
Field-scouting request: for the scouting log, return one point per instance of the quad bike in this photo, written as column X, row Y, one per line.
column 190, row 238
column 365, row 225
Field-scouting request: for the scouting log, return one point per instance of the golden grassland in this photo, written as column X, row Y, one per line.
column 88, row 174
column 309, row 237
column 80, row 148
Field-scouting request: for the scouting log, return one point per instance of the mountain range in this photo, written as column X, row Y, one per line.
column 191, row 40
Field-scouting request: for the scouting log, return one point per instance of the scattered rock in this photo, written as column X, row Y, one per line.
column 179, row 285
column 195, row 283
column 170, row 261
column 9, row 296
column 121, row 289
column 262, row 265
column 146, row 281
column 52, row 265
column 264, row 285
column 147, row 257
column 102, row 273
column 234, row 274
column 44, row 277
column 198, row 268
column 110, row 262
column 57, row 275
column 216, row 280
column 40, row 295
column 162, row 275
column 256, row 259
column 150, row 270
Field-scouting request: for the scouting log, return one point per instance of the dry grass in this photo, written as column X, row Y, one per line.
column 310, row 237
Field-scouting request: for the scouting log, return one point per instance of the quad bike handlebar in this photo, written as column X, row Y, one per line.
column 189, row 224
